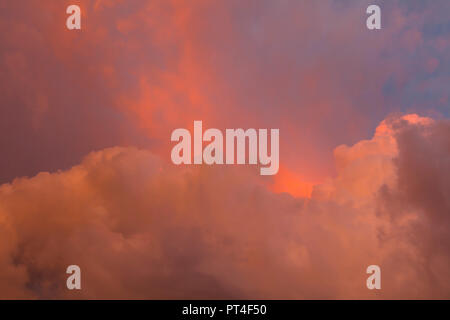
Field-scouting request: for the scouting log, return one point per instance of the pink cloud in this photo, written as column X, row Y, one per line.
column 141, row 228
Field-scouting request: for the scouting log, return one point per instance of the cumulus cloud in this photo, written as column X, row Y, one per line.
column 141, row 228
column 418, row 206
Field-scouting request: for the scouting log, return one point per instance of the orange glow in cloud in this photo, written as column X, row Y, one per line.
column 292, row 183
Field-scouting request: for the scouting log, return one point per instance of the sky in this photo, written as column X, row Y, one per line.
column 86, row 176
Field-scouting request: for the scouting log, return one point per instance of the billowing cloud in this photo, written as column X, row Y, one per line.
column 142, row 228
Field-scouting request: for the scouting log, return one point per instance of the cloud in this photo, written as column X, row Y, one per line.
column 418, row 206
column 142, row 228
column 140, row 69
